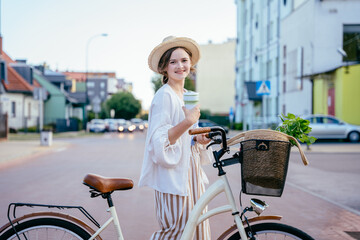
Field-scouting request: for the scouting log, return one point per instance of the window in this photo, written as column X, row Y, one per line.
column 245, row 17
column 13, row 109
column 284, row 51
column 330, row 120
column 269, row 69
column 102, row 85
column 3, row 72
column 271, row 31
column 351, row 42
column 90, row 84
column 284, row 86
column 257, row 21
column 284, row 69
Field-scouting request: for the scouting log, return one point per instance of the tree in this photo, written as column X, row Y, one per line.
column 156, row 81
column 125, row 105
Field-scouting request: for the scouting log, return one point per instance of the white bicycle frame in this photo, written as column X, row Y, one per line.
column 196, row 216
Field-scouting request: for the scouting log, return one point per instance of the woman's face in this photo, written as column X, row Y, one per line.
column 179, row 65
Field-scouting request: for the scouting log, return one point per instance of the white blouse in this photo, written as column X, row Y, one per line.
column 165, row 166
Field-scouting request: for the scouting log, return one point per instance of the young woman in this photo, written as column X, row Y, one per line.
column 172, row 159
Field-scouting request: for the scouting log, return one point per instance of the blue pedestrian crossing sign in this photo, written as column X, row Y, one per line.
column 263, row 87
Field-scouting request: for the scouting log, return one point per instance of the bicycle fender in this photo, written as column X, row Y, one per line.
column 51, row 214
column 250, row 220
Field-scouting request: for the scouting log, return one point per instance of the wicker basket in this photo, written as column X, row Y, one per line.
column 265, row 158
column 264, row 166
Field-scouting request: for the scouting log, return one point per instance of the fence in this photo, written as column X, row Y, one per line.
column 66, row 125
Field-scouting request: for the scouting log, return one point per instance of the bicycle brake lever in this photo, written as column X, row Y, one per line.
column 215, row 141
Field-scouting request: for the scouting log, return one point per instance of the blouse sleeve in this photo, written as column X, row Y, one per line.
column 165, row 154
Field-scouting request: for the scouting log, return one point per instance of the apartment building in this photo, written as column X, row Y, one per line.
column 287, row 43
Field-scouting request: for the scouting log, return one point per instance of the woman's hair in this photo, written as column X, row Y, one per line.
column 164, row 61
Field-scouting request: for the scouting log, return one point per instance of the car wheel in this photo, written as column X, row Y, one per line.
column 354, row 136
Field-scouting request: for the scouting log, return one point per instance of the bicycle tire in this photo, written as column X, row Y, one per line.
column 46, row 228
column 272, row 230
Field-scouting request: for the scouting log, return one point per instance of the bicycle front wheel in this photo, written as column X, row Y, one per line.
column 46, row 229
column 264, row 231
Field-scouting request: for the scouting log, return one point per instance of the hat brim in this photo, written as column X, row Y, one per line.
column 159, row 50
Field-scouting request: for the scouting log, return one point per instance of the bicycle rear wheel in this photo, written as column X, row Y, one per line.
column 265, row 231
column 46, row 229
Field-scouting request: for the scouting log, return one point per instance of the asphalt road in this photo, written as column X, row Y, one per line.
column 321, row 199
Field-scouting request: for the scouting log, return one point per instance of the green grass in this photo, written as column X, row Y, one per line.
column 36, row 136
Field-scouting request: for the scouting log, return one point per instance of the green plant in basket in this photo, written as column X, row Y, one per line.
column 296, row 127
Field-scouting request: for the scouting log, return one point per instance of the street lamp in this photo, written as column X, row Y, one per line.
column 86, row 73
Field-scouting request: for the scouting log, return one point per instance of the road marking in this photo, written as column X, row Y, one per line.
column 324, row 198
column 61, row 149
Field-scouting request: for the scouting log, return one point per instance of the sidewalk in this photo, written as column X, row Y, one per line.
column 330, row 148
column 16, row 151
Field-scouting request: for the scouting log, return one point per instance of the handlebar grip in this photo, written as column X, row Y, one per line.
column 199, row 130
column 206, row 135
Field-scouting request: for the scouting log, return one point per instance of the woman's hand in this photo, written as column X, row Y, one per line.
column 192, row 115
column 202, row 139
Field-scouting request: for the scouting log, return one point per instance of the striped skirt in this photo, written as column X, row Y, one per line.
column 172, row 211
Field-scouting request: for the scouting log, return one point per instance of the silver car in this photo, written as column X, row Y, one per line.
column 97, row 125
column 329, row 127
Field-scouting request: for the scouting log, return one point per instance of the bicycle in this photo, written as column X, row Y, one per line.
column 255, row 145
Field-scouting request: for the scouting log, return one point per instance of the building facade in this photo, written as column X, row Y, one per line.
column 287, row 43
column 257, row 59
column 313, row 38
column 215, row 77
column 18, row 99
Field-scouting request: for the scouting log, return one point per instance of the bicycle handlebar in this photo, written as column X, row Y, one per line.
column 209, row 130
column 199, row 130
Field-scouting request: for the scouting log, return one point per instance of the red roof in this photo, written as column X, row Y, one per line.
column 78, row 76
column 81, row 76
column 16, row 82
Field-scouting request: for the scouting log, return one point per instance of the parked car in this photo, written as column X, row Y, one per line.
column 125, row 126
column 97, row 125
column 139, row 124
column 111, row 124
column 329, row 127
column 208, row 123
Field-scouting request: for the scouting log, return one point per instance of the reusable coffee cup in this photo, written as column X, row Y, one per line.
column 191, row 98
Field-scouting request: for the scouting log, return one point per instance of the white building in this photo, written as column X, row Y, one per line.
column 282, row 41
column 18, row 100
column 312, row 34
column 257, row 59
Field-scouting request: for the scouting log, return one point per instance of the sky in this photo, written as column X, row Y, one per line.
column 58, row 32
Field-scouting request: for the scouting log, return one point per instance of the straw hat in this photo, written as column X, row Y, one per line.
column 170, row 42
